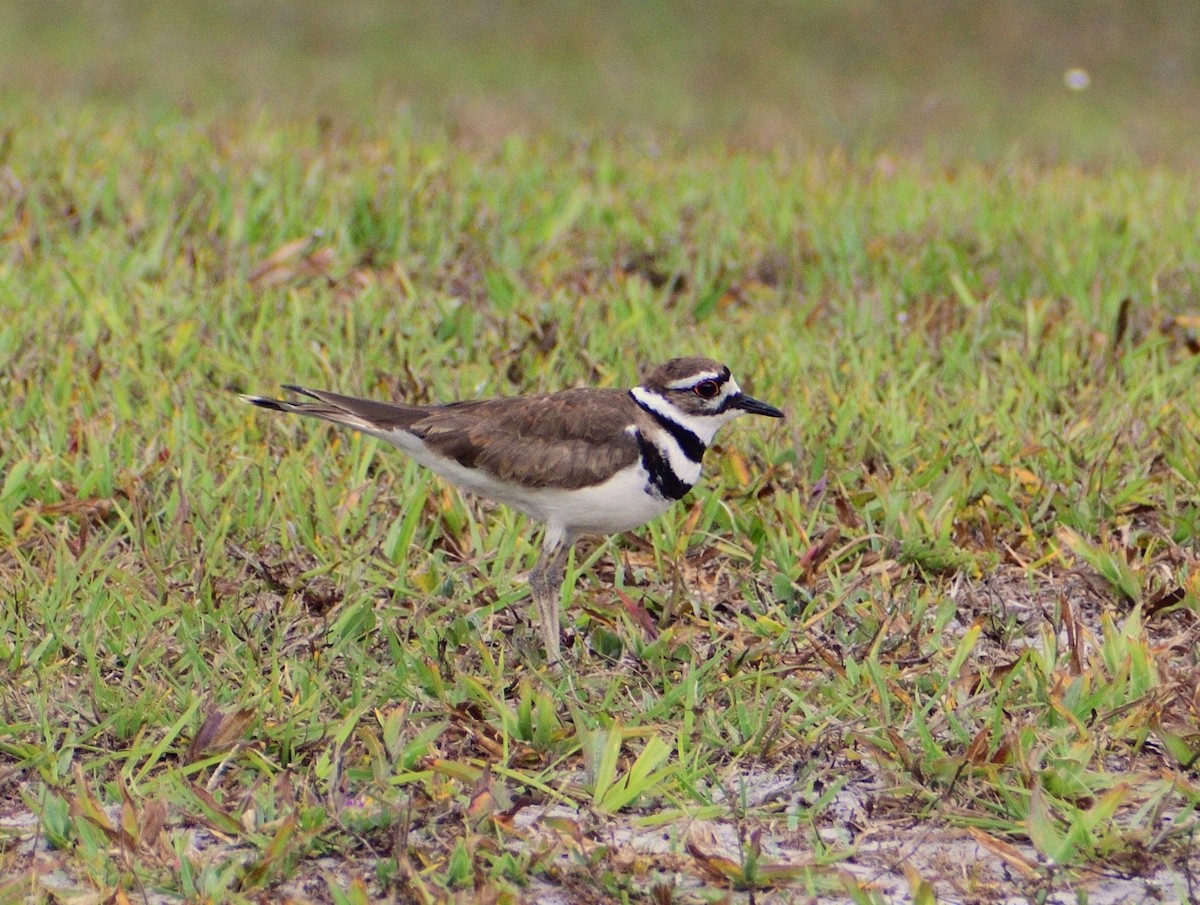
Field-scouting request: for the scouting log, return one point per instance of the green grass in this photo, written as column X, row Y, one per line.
column 957, row 583
column 960, row 81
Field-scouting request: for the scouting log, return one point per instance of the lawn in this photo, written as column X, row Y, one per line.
column 932, row 638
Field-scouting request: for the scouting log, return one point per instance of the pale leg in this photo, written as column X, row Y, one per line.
column 545, row 582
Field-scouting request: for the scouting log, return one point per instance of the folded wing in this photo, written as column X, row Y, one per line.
column 571, row 439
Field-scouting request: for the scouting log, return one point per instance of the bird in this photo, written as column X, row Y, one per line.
column 585, row 461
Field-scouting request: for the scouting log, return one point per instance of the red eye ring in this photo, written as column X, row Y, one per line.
column 707, row 389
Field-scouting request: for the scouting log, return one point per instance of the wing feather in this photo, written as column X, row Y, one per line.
column 571, row 439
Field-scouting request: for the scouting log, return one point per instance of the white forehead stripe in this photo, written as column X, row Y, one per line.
column 686, row 382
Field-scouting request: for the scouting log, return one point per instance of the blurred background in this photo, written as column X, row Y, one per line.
column 1072, row 80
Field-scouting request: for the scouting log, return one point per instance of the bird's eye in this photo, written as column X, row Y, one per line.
column 707, row 389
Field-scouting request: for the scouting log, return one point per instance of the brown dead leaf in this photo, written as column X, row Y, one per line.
column 1165, row 599
column 87, row 806
column 702, row 845
column 846, row 514
column 275, row 268
column 815, row 555
column 827, row 657
column 978, row 749
column 738, row 463
column 285, row 794
column 482, row 802
column 506, row 819
column 1031, row 481
column 293, row 260
column 639, row 614
column 1074, row 640
column 154, row 818
column 1004, row 851
column 219, row 730
column 567, row 830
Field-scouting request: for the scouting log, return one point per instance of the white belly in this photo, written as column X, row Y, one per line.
column 616, row 505
column 619, row 504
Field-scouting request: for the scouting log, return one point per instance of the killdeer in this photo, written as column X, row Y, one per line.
column 583, row 461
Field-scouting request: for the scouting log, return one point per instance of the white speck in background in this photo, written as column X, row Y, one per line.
column 1077, row 79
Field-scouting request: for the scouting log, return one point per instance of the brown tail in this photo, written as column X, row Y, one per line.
column 362, row 414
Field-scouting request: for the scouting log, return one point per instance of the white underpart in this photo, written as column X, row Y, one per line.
column 615, row 505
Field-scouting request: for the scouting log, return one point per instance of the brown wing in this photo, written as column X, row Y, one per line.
column 571, row 439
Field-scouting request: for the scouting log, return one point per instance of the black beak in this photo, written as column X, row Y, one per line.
column 753, row 406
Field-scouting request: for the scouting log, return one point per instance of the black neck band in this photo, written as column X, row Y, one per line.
column 693, row 447
column 663, row 480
